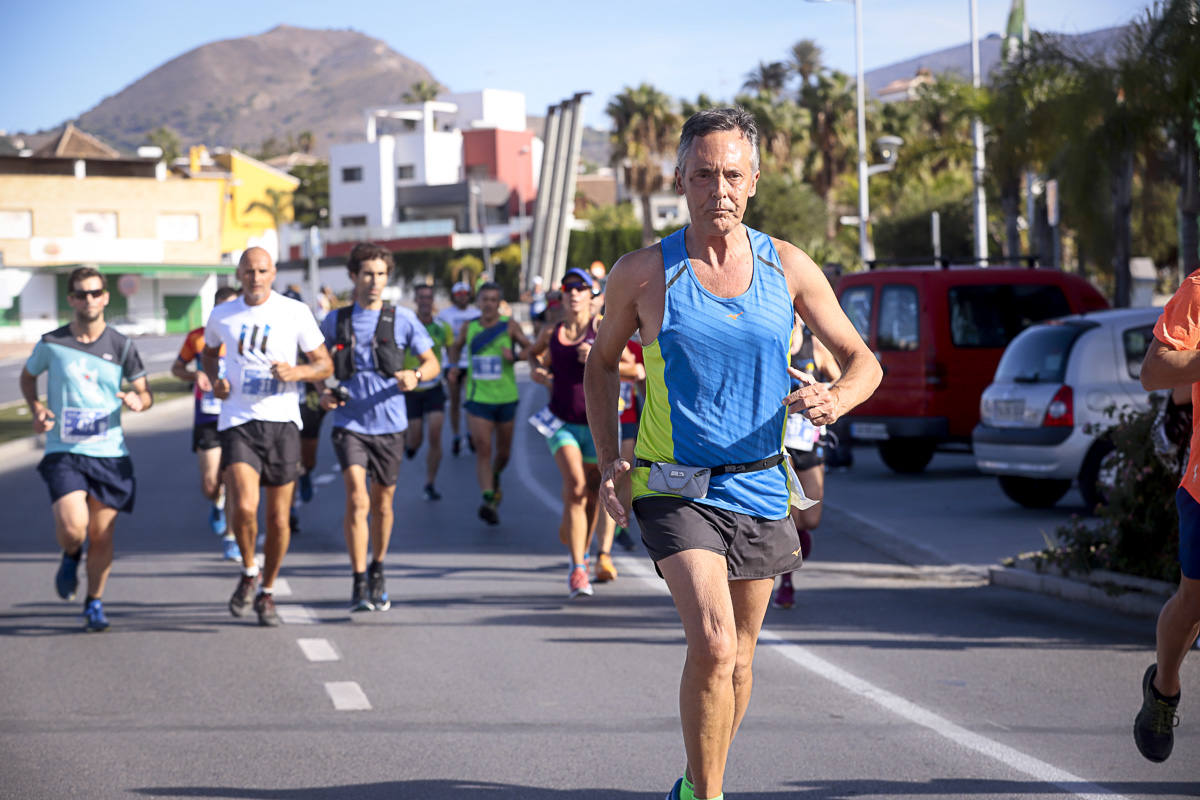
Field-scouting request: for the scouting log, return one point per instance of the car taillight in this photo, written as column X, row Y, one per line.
column 1061, row 411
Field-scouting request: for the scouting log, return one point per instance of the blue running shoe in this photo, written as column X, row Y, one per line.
column 66, row 580
column 306, row 488
column 676, row 790
column 231, row 551
column 216, row 520
column 94, row 620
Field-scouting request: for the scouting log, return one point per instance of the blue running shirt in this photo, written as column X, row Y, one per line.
column 716, row 377
column 84, row 378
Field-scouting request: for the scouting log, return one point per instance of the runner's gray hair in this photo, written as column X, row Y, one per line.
column 702, row 123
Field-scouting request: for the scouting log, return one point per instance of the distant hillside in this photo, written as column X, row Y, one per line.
column 239, row 92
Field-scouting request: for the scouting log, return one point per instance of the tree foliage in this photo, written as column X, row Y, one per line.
column 645, row 131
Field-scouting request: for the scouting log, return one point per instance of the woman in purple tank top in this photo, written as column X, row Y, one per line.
column 556, row 361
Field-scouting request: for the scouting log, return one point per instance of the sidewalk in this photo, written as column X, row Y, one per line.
column 15, row 350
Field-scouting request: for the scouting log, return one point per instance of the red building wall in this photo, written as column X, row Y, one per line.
column 500, row 152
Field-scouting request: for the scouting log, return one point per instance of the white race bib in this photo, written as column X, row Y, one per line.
column 83, row 425
column 546, row 423
column 801, row 434
column 259, row 382
column 210, row 404
column 486, row 368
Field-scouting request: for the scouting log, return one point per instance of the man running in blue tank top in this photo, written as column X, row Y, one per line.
column 714, row 305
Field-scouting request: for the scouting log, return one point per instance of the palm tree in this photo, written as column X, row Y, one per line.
column 279, row 207
column 767, row 78
column 783, row 131
column 831, row 104
column 645, row 127
column 806, row 60
column 423, row 91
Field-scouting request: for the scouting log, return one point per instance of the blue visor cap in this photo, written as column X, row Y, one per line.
column 582, row 275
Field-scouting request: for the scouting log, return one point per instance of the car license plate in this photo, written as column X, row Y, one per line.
column 1008, row 410
column 874, row 431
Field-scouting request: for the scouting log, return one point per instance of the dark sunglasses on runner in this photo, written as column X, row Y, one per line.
column 576, row 286
column 84, row 294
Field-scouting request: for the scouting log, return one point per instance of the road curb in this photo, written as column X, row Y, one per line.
column 1098, row 589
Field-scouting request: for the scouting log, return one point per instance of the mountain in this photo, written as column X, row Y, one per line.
column 240, row 92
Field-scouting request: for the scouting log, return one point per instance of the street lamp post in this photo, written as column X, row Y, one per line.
column 865, row 250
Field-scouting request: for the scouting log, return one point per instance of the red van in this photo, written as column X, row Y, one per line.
column 939, row 333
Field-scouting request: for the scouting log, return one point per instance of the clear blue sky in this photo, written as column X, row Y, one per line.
column 60, row 58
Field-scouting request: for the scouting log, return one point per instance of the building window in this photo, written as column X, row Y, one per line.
column 354, row 222
column 405, row 172
column 351, row 174
column 179, row 227
column 16, row 224
column 96, row 224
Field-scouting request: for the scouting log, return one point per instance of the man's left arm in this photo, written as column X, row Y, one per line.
column 814, row 300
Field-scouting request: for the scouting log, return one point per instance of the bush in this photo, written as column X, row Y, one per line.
column 1136, row 532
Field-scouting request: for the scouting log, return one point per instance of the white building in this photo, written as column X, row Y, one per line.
column 418, row 144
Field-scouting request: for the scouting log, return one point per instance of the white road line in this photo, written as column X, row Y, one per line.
column 282, row 587
column 294, row 614
column 347, row 696
column 1035, row 768
column 318, row 650
column 321, row 480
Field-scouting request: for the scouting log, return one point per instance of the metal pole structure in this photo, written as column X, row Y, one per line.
column 935, row 232
column 477, row 205
column 981, row 247
column 865, row 250
column 567, row 213
column 541, row 203
column 554, row 200
column 314, row 271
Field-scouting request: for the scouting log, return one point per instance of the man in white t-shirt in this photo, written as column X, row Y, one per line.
column 456, row 316
column 259, row 426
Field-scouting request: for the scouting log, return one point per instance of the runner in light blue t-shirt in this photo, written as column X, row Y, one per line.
column 87, row 466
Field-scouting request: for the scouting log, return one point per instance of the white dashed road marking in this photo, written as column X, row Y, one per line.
column 318, row 650
column 321, row 480
column 282, row 587
column 347, row 696
column 292, row 614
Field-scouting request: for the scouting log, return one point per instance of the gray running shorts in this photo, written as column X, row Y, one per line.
column 271, row 448
column 379, row 454
column 753, row 547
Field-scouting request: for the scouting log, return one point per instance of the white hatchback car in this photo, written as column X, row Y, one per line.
column 1042, row 415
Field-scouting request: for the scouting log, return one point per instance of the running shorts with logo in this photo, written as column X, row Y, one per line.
column 85, row 450
column 378, row 454
column 715, row 355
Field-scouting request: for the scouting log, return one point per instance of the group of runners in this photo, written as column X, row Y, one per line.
column 699, row 331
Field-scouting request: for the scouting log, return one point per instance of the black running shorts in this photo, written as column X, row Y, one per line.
column 205, row 436
column 109, row 480
column 271, row 448
column 379, row 454
column 429, row 401
column 753, row 547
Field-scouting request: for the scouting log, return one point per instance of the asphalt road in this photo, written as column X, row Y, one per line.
column 483, row 681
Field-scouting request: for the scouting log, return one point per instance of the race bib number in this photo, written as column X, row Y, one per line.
column 626, row 398
column 83, row 425
column 486, row 368
column 801, row 434
column 259, row 382
column 210, row 404
column 546, row 423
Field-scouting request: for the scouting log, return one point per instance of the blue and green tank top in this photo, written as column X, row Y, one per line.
column 84, row 378
column 490, row 376
column 716, row 376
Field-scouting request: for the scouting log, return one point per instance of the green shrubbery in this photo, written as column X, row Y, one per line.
column 1136, row 532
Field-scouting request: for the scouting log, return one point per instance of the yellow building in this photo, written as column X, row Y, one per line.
column 156, row 235
column 247, row 184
